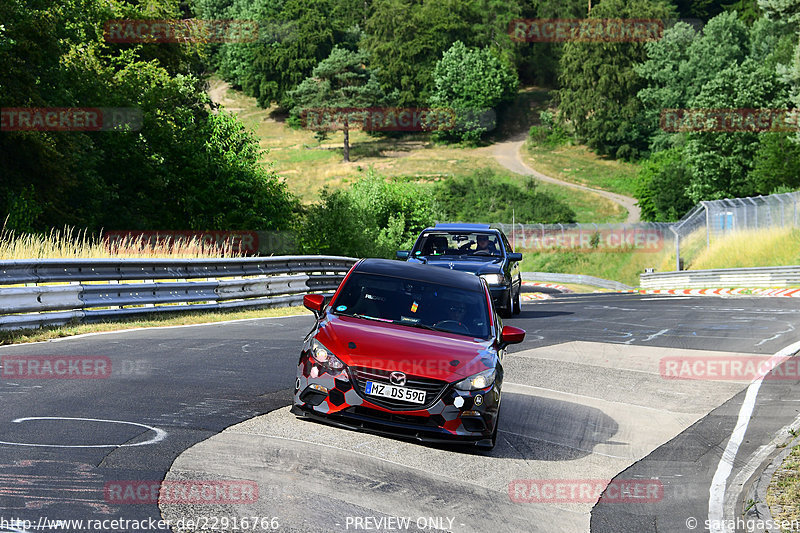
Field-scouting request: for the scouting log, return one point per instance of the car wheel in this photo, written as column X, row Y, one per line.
column 517, row 306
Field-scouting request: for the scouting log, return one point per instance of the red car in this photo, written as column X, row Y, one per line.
column 407, row 350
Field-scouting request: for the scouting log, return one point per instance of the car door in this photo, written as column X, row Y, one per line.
column 513, row 267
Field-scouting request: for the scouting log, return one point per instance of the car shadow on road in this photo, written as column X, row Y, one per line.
column 535, row 314
column 546, row 429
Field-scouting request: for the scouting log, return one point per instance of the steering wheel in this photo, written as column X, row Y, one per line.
column 452, row 325
column 482, row 252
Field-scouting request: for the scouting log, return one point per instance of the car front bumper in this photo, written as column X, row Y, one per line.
column 342, row 405
column 500, row 295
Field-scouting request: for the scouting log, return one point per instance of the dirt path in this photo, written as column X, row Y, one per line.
column 507, row 154
column 217, row 91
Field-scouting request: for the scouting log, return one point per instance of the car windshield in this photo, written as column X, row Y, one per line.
column 414, row 303
column 468, row 244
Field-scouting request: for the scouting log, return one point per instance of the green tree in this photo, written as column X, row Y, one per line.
column 185, row 167
column 484, row 196
column 599, row 83
column 776, row 164
column 405, row 39
column 373, row 218
column 472, row 82
column 538, row 62
column 340, row 81
column 661, row 187
column 721, row 160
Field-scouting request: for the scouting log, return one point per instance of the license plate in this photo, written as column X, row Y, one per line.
column 396, row 393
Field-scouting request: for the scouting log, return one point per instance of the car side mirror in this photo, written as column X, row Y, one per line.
column 314, row 302
column 514, row 256
column 511, row 335
column 403, row 254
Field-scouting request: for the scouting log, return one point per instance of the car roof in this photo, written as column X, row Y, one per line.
column 420, row 272
column 461, row 226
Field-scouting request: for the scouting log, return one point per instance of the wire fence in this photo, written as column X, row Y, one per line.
column 711, row 219
column 719, row 217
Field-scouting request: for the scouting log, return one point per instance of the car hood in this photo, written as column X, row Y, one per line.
column 475, row 266
column 392, row 347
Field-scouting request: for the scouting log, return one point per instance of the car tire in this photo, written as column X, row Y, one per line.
column 517, row 306
column 494, row 433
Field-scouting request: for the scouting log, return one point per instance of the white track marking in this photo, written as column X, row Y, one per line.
column 716, row 499
column 159, row 436
column 654, row 335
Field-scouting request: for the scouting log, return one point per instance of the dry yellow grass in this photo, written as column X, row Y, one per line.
column 79, row 244
column 766, row 247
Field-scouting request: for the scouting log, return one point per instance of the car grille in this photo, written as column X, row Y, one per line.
column 432, row 387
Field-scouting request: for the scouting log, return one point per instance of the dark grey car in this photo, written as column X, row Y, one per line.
column 476, row 248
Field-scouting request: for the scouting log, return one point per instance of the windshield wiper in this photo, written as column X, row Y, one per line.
column 375, row 318
column 415, row 325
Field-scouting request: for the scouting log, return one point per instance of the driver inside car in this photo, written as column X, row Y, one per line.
column 484, row 245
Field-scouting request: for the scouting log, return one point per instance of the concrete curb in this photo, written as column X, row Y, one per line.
column 787, row 293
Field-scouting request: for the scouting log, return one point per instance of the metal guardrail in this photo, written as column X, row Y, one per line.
column 575, row 278
column 722, row 278
column 68, row 290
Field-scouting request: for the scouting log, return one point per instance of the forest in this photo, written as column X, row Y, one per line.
column 191, row 166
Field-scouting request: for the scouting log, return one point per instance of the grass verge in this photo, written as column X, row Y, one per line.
column 578, row 164
column 783, row 493
column 578, row 288
column 767, row 247
column 147, row 321
column 623, row 266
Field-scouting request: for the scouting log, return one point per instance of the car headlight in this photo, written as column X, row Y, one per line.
column 324, row 356
column 479, row 381
column 493, row 279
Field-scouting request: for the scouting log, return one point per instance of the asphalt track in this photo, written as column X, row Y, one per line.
column 583, row 400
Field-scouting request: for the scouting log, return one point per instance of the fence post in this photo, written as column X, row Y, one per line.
column 708, row 238
column 677, row 248
column 755, row 208
column 745, row 213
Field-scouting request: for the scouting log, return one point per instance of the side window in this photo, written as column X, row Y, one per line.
column 505, row 243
